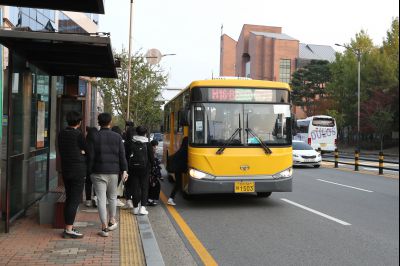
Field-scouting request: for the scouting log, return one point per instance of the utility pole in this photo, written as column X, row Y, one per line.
column 129, row 61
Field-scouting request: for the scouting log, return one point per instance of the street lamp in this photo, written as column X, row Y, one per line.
column 357, row 52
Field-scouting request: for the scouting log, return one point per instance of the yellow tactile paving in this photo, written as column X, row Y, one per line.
column 130, row 242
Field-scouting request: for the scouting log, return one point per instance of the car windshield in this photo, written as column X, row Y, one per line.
column 215, row 123
column 301, row 146
column 158, row 137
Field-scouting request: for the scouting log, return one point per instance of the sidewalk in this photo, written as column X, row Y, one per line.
column 29, row 243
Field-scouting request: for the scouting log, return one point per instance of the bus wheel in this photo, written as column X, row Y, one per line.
column 186, row 196
column 317, row 166
column 171, row 179
column 263, row 194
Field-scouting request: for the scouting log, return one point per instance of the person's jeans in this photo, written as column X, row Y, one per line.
column 140, row 186
column 105, row 186
column 178, row 184
column 73, row 193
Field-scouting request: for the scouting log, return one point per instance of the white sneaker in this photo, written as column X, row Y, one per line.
column 88, row 203
column 143, row 211
column 171, row 202
column 120, row 203
column 135, row 211
column 112, row 226
column 128, row 205
column 104, row 232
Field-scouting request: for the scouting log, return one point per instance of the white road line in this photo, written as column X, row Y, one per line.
column 344, row 185
column 316, row 212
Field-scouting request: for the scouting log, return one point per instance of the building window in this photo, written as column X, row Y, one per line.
column 284, row 70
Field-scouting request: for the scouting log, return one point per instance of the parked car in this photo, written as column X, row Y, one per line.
column 304, row 154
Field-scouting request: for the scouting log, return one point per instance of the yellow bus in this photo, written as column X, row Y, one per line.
column 239, row 133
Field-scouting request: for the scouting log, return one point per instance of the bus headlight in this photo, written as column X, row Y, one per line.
column 284, row 174
column 197, row 174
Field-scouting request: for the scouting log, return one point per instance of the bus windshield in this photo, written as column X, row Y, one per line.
column 215, row 123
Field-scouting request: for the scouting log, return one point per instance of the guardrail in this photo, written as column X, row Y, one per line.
column 381, row 162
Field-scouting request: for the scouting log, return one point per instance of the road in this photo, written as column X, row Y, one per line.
column 332, row 217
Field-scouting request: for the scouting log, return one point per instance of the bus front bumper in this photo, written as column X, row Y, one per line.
column 207, row 186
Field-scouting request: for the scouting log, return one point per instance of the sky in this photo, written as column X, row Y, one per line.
column 191, row 29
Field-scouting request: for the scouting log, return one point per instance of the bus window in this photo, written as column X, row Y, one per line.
column 323, row 122
column 302, row 126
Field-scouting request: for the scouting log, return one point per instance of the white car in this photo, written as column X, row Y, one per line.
column 304, row 154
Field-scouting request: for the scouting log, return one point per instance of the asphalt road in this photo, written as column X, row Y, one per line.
column 332, row 217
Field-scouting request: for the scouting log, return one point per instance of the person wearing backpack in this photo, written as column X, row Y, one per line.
column 140, row 163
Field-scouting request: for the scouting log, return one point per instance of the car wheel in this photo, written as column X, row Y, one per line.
column 317, row 166
column 263, row 194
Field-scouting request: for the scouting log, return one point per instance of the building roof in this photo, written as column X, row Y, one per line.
column 316, row 52
column 87, row 6
column 280, row 36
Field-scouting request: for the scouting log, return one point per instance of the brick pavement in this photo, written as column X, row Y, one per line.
column 29, row 243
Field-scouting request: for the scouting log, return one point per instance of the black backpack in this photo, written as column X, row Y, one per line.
column 139, row 156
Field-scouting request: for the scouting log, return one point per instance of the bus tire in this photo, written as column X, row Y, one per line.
column 186, row 196
column 263, row 194
column 317, row 166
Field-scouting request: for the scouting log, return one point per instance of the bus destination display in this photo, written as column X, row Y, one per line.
column 240, row 95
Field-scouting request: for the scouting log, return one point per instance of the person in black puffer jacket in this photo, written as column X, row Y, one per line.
column 106, row 161
column 72, row 149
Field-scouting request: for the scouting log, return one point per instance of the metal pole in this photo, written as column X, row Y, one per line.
column 129, row 61
column 358, row 96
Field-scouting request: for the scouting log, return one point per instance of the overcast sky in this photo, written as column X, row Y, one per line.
column 191, row 28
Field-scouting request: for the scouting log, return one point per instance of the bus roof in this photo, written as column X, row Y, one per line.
column 234, row 82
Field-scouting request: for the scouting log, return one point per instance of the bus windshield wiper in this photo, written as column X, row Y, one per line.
column 266, row 149
column 230, row 140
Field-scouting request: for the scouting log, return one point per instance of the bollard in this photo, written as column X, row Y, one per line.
column 336, row 158
column 381, row 157
column 356, row 158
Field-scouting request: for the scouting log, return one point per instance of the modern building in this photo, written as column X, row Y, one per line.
column 49, row 59
column 264, row 52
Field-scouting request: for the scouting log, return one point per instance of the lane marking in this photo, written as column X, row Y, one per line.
column 204, row 255
column 316, row 212
column 338, row 184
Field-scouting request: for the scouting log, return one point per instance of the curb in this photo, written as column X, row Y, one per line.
column 150, row 247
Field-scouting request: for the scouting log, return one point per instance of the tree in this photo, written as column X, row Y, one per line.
column 343, row 86
column 308, row 85
column 146, row 84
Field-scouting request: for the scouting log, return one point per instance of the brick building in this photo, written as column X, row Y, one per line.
column 264, row 52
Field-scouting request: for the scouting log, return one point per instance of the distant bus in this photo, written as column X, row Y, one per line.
column 239, row 133
column 318, row 131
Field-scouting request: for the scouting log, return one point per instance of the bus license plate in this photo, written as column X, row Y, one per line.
column 323, row 145
column 244, row 187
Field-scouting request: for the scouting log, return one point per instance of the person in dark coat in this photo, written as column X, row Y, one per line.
column 155, row 176
column 179, row 162
column 106, row 161
column 72, row 150
column 91, row 133
column 129, row 133
column 140, row 172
